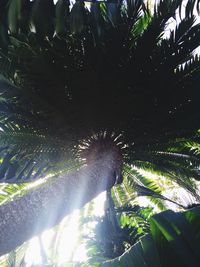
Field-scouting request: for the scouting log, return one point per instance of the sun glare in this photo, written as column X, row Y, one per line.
column 68, row 238
column 33, row 253
column 63, row 243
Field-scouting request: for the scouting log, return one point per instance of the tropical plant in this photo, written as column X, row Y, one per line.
column 174, row 240
column 90, row 94
column 117, row 230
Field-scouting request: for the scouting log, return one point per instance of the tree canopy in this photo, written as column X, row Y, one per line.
column 84, row 80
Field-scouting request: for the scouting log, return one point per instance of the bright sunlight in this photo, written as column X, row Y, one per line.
column 64, row 240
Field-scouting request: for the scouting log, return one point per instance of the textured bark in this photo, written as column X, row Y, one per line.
column 47, row 205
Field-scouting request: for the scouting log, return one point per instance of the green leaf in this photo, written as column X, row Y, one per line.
column 169, row 244
column 14, row 15
column 78, row 17
column 43, row 24
column 97, row 20
column 166, row 225
column 112, row 10
column 150, row 251
column 62, row 17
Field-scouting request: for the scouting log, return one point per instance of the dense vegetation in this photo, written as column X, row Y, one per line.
column 107, row 84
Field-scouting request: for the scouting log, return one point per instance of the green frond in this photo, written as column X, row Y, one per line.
column 141, row 24
column 43, row 25
column 182, row 42
column 120, row 195
column 158, row 249
column 69, row 73
column 62, row 17
column 7, row 67
column 189, row 68
column 145, row 186
column 9, row 191
column 16, row 257
column 18, row 14
column 182, row 175
column 27, row 155
column 78, row 19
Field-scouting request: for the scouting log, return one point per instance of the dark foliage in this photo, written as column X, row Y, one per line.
column 101, row 70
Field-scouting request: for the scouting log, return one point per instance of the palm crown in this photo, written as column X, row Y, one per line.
column 109, row 68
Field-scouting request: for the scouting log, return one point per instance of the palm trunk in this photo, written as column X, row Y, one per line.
column 47, row 205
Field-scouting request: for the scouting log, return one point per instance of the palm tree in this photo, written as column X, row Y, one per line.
column 85, row 91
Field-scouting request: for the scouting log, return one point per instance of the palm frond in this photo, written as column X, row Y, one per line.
column 163, row 227
column 77, row 72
